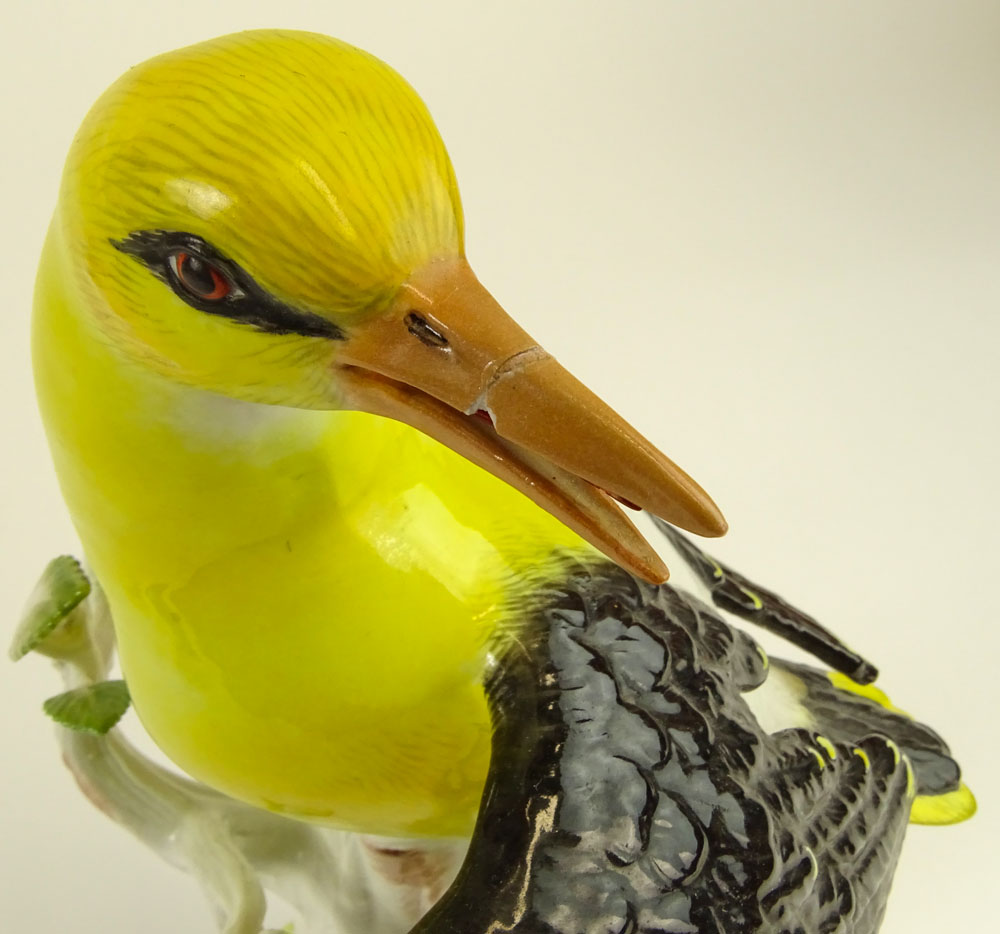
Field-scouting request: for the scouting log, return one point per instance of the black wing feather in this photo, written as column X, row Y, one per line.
column 632, row 790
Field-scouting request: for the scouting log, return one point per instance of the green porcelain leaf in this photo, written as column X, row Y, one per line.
column 95, row 708
column 59, row 590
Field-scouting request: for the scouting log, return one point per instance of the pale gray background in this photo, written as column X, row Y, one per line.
column 767, row 232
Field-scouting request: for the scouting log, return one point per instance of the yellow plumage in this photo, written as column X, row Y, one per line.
column 303, row 599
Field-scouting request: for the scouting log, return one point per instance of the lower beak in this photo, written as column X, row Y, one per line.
column 448, row 360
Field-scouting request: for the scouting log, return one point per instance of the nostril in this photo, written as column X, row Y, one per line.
column 419, row 328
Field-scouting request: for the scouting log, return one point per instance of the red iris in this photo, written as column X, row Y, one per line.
column 203, row 280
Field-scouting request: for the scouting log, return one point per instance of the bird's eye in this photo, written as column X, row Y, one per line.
column 198, row 277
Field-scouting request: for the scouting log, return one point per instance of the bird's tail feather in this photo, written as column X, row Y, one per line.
column 843, row 704
column 842, row 710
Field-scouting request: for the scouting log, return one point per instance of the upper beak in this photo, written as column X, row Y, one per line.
column 448, row 360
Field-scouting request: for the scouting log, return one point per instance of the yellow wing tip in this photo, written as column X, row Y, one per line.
column 872, row 693
column 951, row 808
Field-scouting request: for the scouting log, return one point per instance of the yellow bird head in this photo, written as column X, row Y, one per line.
column 304, row 170
column 273, row 216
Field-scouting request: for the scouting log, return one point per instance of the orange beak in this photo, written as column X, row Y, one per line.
column 448, row 360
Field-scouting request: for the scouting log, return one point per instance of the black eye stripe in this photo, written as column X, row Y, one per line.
column 246, row 302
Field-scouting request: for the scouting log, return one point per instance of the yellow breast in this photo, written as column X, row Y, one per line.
column 304, row 601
